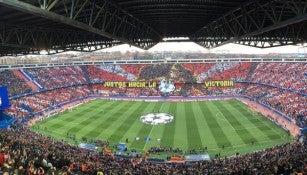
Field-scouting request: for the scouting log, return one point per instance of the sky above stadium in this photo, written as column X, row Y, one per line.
column 192, row 47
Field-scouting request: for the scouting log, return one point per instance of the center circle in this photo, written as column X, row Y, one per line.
column 156, row 118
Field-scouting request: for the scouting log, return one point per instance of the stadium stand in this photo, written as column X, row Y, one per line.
column 286, row 75
column 27, row 106
column 32, row 153
column 45, row 76
column 281, row 86
column 105, row 73
column 55, row 77
column 289, row 103
column 15, row 85
column 261, row 81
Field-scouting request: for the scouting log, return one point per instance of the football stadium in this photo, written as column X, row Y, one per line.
column 69, row 104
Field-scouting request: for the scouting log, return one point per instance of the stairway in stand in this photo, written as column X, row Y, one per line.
column 30, row 83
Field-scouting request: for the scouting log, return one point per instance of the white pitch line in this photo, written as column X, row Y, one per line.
column 241, row 145
column 217, row 115
column 264, row 123
column 148, row 136
column 247, row 128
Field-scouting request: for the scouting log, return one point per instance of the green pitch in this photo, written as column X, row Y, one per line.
column 212, row 124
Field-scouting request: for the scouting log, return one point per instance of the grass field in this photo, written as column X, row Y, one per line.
column 211, row 124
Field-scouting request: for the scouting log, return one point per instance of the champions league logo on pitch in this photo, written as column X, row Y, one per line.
column 156, row 118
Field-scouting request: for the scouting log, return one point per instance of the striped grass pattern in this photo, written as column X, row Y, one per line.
column 225, row 127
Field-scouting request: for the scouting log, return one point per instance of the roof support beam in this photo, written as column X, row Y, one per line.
column 253, row 18
column 13, row 51
column 78, row 15
column 39, row 39
column 289, row 35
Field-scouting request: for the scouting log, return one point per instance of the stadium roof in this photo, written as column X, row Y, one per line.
column 28, row 26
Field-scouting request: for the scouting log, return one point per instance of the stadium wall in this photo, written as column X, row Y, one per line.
column 58, row 63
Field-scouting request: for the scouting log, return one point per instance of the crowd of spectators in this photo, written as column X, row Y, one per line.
column 15, row 85
column 286, row 75
column 55, row 77
column 16, row 111
column 109, row 73
column 226, row 71
column 289, row 103
column 26, row 106
column 188, row 78
column 32, row 153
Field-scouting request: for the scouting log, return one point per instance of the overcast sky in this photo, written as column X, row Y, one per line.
column 228, row 48
column 193, row 47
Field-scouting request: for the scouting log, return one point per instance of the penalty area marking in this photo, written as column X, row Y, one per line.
column 264, row 123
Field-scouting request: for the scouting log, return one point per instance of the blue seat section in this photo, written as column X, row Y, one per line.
column 5, row 121
column 26, row 107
